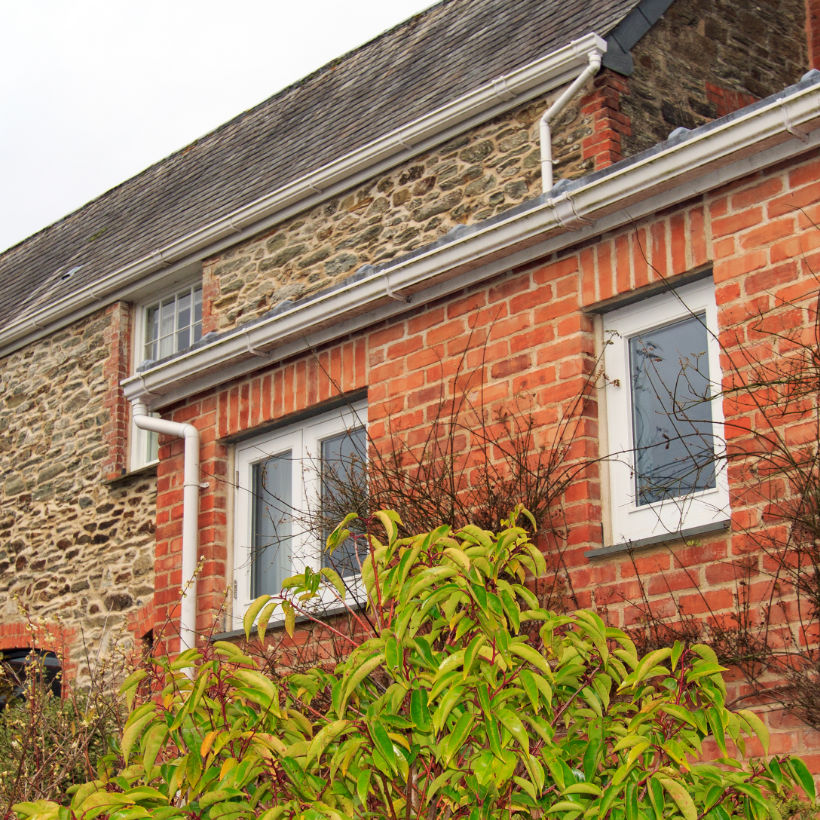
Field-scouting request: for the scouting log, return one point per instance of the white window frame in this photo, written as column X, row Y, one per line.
column 140, row 335
column 143, row 444
column 630, row 522
column 304, row 440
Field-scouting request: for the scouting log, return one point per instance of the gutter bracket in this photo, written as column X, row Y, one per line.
column 566, row 214
column 501, row 89
column 803, row 136
column 397, row 297
column 255, row 351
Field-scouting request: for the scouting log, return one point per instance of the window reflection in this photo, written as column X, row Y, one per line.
column 671, row 411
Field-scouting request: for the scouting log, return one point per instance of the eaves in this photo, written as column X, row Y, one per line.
column 691, row 163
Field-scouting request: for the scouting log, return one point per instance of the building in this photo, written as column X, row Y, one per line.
column 318, row 270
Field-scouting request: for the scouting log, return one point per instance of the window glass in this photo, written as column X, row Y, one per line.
column 671, row 411
column 294, row 485
column 151, row 333
column 664, row 434
column 184, row 321
column 16, row 665
column 272, row 523
column 173, row 324
column 169, row 326
column 343, row 486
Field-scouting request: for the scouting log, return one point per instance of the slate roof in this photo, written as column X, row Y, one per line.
column 410, row 70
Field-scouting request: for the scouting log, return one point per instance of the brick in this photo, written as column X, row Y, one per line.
column 768, row 232
column 792, row 201
column 805, row 174
column 444, row 332
column 755, row 194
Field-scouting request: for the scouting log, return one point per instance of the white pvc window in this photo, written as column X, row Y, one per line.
column 667, row 469
column 172, row 324
column 291, row 487
column 164, row 327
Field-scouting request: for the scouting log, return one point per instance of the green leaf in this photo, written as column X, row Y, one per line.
column 631, row 801
column 471, row 652
column 445, row 706
column 264, row 618
column 250, row 616
column 590, row 761
column 715, row 719
column 232, row 653
column 323, row 737
column 383, row 743
column 656, row 798
column 419, row 711
column 584, row 788
column 532, row 656
column 129, row 686
column 528, row 682
column 40, row 809
column 681, row 796
column 512, row 723
column 290, row 617
column 803, row 776
column 457, row 736
column 334, row 579
column 363, row 785
column 757, row 726
column 391, row 522
column 350, row 683
column 153, row 741
column 134, row 726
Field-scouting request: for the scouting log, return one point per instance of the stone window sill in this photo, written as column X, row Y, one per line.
column 683, row 535
column 129, row 475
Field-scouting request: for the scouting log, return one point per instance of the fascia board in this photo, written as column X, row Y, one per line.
column 485, row 102
column 757, row 139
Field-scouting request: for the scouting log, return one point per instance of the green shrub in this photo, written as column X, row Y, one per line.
column 466, row 699
column 49, row 743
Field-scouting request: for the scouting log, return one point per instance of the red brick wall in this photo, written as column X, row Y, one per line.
column 813, row 31
column 45, row 637
column 531, row 332
column 609, row 125
column 115, row 369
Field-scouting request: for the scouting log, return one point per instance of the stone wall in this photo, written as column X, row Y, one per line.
column 704, row 58
column 466, row 180
column 75, row 550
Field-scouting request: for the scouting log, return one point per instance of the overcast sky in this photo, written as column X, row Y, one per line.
column 94, row 91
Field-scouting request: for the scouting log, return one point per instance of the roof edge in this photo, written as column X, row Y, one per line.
column 766, row 133
column 486, row 101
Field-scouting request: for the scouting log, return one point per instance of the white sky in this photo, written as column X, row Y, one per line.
column 93, row 91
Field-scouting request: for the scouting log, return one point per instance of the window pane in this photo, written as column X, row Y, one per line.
column 151, row 446
column 166, row 318
column 272, row 531
column 151, row 332
column 198, row 305
column 344, row 490
column 671, row 412
column 183, row 321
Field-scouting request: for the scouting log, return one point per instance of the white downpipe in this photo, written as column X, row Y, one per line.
column 549, row 115
column 190, row 513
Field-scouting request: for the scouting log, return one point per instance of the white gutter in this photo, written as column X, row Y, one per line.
column 556, row 108
column 676, row 171
column 190, row 513
column 485, row 102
